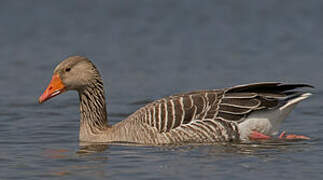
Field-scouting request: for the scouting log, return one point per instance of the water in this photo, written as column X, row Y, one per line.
column 146, row 50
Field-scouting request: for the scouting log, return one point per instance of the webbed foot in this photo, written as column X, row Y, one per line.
column 283, row 135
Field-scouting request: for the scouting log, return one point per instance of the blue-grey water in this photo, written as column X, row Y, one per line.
column 146, row 50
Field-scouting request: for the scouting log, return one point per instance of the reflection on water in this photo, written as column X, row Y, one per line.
column 108, row 159
column 92, row 147
column 267, row 148
column 251, row 148
column 56, row 153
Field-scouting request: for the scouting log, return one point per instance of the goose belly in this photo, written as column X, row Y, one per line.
column 266, row 122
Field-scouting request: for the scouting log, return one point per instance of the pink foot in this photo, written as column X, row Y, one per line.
column 293, row 136
column 258, row 136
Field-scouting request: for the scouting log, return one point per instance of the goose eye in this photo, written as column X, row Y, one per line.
column 68, row 69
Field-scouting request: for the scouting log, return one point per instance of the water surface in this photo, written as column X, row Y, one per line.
column 146, row 50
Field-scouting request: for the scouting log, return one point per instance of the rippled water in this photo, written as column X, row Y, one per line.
column 146, row 50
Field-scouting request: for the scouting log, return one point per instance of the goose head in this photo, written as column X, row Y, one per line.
column 73, row 73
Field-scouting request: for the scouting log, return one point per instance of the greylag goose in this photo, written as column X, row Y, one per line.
column 240, row 113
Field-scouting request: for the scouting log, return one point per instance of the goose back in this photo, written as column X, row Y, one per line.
column 209, row 115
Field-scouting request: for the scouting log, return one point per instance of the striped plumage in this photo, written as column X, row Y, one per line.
column 207, row 116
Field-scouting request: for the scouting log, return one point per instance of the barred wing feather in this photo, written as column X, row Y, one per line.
column 206, row 109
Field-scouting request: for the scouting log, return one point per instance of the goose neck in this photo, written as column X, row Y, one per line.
column 92, row 109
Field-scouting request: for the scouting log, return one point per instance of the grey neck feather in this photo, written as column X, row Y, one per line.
column 93, row 107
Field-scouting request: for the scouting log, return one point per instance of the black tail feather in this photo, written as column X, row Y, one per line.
column 272, row 87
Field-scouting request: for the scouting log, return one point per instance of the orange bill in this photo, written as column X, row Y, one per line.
column 54, row 88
